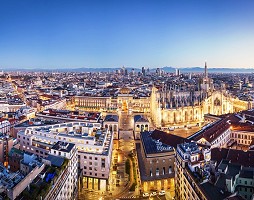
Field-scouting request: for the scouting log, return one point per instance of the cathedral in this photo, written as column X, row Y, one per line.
column 171, row 105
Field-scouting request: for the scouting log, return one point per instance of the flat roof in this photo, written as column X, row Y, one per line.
column 152, row 146
column 63, row 146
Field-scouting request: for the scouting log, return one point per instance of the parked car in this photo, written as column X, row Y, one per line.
column 162, row 192
column 153, row 194
column 146, row 194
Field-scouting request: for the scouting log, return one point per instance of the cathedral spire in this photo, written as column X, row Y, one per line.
column 206, row 75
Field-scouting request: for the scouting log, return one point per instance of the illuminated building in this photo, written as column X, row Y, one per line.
column 125, row 101
column 64, row 155
column 168, row 104
column 141, row 124
column 171, row 106
column 156, row 163
column 192, row 169
column 111, row 122
column 205, row 173
column 94, row 146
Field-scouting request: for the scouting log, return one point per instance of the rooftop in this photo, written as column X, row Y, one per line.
column 152, row 146
column 63, row 146
column 111, row 118
column 140, row 118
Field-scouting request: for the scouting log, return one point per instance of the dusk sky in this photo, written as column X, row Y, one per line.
column 133, row 33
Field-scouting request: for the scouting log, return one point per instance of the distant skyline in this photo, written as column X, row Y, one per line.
column 93, row 34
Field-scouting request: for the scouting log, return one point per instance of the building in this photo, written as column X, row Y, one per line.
column 156, row 163
column 236, row 178
column 141, row 124
column 94, row 146
column 168, row 104
column 13, row 184
column 54, row 177
column 6, row 143
column 111, row 122
column 125, row 101
column 67, row 115
column 27, row 163
column 55, row 103
column 205, row 173
column 192, row 168
column 64, row 156
column 5, row 126
column 14, row 158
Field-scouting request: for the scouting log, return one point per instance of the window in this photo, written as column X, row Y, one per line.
column 103, row 162
column 84, row 157
column 96, row 158
column 157, row 171
column 170, row 170
column 90, row 158
column 90, row 168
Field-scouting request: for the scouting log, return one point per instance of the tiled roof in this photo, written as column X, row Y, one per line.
column 213, row 132
column 234, row 156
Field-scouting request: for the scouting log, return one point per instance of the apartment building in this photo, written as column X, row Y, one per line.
column 64, row 155
column 156, row 163
column 6, row 143
column 54, row 177
column 192, row 170
column 5, row 126
column 15, row 183
column 236, row 178
column 94, row 146
column 205, row 173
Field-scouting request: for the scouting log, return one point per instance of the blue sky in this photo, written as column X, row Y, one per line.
column 133, row 33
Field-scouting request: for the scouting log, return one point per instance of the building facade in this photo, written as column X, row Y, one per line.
column 66, row 185
column 156, row 164
column 94, row 146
